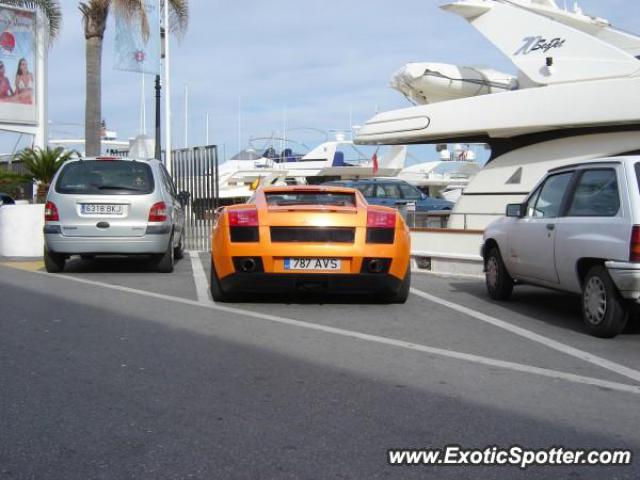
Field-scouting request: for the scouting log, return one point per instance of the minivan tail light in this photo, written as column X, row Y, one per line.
column 634, row 244
column 243, row 218
column 51, row 212
column 158, row 212
column 377, row 219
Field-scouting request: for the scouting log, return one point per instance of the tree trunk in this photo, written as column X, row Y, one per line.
column 93, row 105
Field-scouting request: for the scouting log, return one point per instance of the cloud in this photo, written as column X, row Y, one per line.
column 320, row 60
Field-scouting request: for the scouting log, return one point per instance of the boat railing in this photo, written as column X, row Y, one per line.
column 441, row 218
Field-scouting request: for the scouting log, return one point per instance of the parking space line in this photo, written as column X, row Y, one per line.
column 534, row 337
column 491, row 362
column 200, row 278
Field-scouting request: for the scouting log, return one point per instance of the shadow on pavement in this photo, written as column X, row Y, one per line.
column 551, row 307
column 110, row 395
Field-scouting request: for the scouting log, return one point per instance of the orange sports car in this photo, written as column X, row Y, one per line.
column 310, row 238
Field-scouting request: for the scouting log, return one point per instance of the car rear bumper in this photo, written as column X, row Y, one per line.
column 626, row 277
column 274, row 283
column 147, row 244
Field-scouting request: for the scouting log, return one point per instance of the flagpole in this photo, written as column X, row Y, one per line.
column 186, row 115
column 167, row 89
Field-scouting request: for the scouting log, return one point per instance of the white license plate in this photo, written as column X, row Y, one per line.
column 102, row 209
column 312, row 264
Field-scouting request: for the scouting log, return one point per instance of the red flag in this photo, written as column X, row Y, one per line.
column 374, row 161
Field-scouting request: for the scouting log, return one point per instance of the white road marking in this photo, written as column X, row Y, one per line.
column 535, row 337
column 422, row 271
column 491, row 362
column 200, row 278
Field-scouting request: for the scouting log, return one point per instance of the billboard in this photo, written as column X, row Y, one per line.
column 17, row 66
column 132, row 52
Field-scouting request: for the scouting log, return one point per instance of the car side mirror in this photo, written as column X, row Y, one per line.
column 183, row 197
column 515, row 210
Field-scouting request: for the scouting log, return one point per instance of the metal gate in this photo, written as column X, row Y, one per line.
column 194, row 170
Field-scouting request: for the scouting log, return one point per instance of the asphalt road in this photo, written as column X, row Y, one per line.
column 112, row 371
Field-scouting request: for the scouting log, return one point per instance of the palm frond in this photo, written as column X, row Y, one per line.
column 43, row 163
column 130, row 9
column 178, row 15
column 50, row 9
column 94, row 17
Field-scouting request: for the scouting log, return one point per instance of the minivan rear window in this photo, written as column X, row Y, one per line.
column 98, row 177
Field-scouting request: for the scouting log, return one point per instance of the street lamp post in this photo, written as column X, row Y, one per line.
column 158, row 152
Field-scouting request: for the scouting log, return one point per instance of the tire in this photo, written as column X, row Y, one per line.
column 88, row 257
column 402, row 294
column 165, row 261
column 497, row 279
column 217, row 293
column 178, row 252
column 603, row 310
column 53, row 262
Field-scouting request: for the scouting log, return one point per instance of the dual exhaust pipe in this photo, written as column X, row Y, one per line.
column 248, row 265
column 254, row 264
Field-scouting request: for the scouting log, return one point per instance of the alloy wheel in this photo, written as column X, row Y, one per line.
column 492, row 272
column 595, row 301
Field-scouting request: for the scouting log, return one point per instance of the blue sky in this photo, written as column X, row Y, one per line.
column 320, row 61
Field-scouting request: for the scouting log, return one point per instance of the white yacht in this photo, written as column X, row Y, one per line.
column 447, row 177
column 575, row 97
column 335, row 159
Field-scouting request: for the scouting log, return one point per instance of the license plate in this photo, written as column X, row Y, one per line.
column 312, row 264
column 102, row 209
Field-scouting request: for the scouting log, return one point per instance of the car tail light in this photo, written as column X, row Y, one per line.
column 243, row 225
column 243, row 218
column 107, row 158
column 51, row 212
column 377, row 219
column 158, row 212
column 634, row 244
column 381, row 226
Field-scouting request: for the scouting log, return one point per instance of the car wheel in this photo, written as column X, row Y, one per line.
column 87, row 257
column 398, row 296
column 53, row 262
column 165, row 261
column 178, row 252
column 499, row 282
column 217, row 293
column 603, row 309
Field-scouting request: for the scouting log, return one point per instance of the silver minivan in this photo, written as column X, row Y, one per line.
column 116, row 206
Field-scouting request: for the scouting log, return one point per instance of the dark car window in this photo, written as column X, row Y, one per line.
column 106, row 177
column 410, row 193
column 342, row 199
column 6, row 200
column 388, row 190
column 550, row 199
column 366, row 189
column 532, row 202
column 168, row 182
column 596, row 194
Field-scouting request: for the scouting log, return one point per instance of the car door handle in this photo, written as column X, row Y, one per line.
column 551, row 226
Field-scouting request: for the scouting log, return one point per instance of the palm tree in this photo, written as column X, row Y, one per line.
column 94, row 19
column 42, row 164
column 50, row 9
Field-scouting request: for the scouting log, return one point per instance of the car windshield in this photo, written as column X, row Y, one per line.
column 106, row 178
column 341, row 199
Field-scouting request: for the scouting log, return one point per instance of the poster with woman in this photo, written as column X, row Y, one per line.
column 17, row 63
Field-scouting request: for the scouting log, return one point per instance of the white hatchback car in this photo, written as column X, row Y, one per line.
column 109, row 205
column 577, row 231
